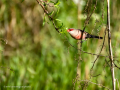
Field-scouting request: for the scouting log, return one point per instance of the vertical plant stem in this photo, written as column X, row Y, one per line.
column 110, row 46
column 79, row 44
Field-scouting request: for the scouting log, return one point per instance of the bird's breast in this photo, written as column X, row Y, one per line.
column 77, row 34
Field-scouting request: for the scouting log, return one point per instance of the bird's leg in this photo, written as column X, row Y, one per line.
column 83, row 41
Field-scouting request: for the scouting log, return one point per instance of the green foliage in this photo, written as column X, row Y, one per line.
column 51, row 13
column 57, row 3
column 39, row 58
column 44, row 21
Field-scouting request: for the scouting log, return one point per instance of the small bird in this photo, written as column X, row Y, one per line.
column 77, row 34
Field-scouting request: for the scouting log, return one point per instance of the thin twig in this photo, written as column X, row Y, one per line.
column 100, row 50
column 88, row 17
column 116, row 66
column 118, row 84
column 94, row 83
column 87, row 21
column 7, row 68
column 110, row 46
column 47, row 3
column 85, row 51
column 48, row 15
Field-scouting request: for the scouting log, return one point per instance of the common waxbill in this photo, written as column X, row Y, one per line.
column 77, row 34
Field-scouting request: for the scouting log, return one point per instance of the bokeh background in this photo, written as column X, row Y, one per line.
column 37, row 57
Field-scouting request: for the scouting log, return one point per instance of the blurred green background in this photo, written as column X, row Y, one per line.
column 39, row 58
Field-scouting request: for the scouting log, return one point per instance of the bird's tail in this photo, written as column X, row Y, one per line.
column 93, row 36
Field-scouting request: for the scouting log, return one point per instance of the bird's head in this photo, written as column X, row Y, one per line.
column 70, row 29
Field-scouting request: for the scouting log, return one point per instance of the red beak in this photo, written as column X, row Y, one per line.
column 68, row 30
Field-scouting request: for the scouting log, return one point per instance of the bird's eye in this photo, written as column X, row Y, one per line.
column 71, row 29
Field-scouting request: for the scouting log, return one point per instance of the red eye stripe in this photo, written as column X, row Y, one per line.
column 70, row 30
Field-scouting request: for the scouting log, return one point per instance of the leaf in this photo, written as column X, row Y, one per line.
column 61, row 26
column 44, row 21
column 63, row 30
column 51, row 13
column 57, row 3
column 51, row 1
column 44, row 4
column 58, row 20
column 57, row 10
column 31, row 70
